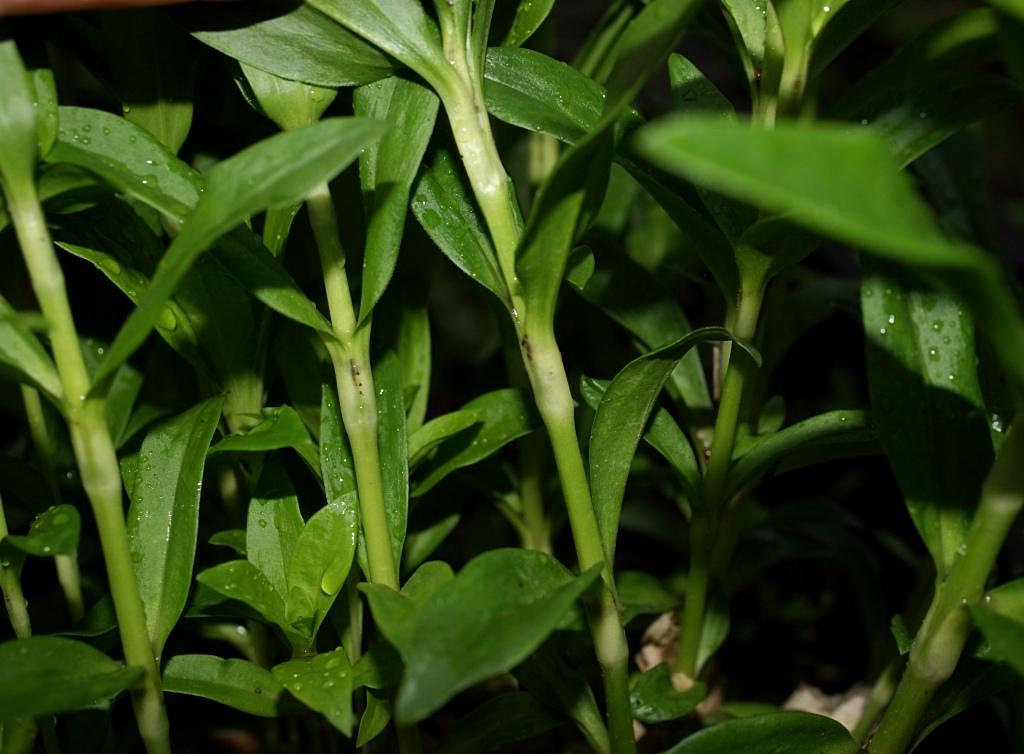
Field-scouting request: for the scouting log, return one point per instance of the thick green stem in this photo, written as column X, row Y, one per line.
column 941, row 638
column 532, row 450
column 350, row 355
column 96, row 459
column 706, row 521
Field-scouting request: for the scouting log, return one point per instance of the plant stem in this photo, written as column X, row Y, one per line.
column 350, row 355
column 941, row 638
column 96, row 458
column 706, row 520
column 10, row 585
column 532, row 450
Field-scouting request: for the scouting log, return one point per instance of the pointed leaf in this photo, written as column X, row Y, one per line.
column 922, row 372
column 22, row 355
column 395, row 613
column 44, row 675
column 281, row 427
column 387, row 170
column 273, row 526
column 394, row 448
column 241, row 580
column 163, row 520
column 747, row 20
column 323, row 683
column 239, row 684
column 276, row 171
column 17, row 123
column 448, row 215
column 774, row 733
column 301, row 44
column 620, row 421
column 526, row 19
column 495, row 612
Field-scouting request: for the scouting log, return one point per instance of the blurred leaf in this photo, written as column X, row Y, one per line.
column 503, row 720
column 654, row 699
column 239, row 684
column 18, row 134
column 45, row 675
column 163, row 520
column 846, row 21
column 642, row 593
column 53, row 532
column 446, row 212
column 276, row 171
column 922, row 372
column 233, row 538
column 301, row 44
column 23, row 356
column 1005, row 635
column 775, row 733
column 323, row 683
column 489, row 422
column 387, row 170
column 620, row 421
column 495, row 612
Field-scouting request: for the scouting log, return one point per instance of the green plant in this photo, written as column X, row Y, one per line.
column 307, row 372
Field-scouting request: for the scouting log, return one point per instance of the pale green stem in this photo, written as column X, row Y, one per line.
column 66, row 565
column 10, row 584
column 944, row 632
column 356, row 395
column 536, row 526
column 96, row 458
column 706, row 520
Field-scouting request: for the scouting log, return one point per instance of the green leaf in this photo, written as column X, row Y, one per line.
column 477, row 430
column 301, row 44
column 289, row 104
column 319, row 565
column 487, row 620
column 23, row 356
column 336, row 467
column 375, row 717
column 527, row 17
column 503, row 720
column 241, row 580
column 273, row 526
column 387, row 170
column 163, row 520
column 1005, row 635
column 817, row 174
column 1012, row 7
column 53, row 532
column 642, row 593
column 533, row 91
column 281, row 427
column 323, row 683
column 394, row 449
column 767, row 454
column 44, row 96
column 277, row 171
column 633, row 298
column 401, row 28
column 922, row 372
column 774, row 733
column 239, row 684
column 233, row 538
column 747, row 20
column 45, row 675
column 154, row 68
column 395, row 613
column 17, row 123
column 844, row 24
column 620, row 421
column 446, row 212
column 655, row 699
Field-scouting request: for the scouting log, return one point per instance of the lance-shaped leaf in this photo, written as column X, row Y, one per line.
column 17, row 124
column 241, row 580
column 444, row 209
column 395, row 613
column 301, row 44
column 23, row 357
column 394, row 448
column 278, row 171
column 487, row 620
column 281, row 427
column 620, row 421
column 45, row 675
column 387, row 170
column 775, row 733
column 767, row 454
column 401, row 28
column 922, row 371
column 239, row 684
column 477, row 430
column 323, row 683
column 273, row 526
column 747, row 19
column 163, row 520
column 820, row 175
column 336, row 467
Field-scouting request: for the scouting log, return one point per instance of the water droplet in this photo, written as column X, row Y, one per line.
column 892, row 319
column 298, row 687
column 826, row 8
column 922, row 115
column 864, row 121
column 106, row 131
column 988, row 599
column 150, row 162
column 952, row 377
column 881, row 331
column 111, row 267
column 132, row 139
column 126, row 108
column 933, row 354
column 963, row 602
column 295, row 675
column 168, row 320
column 962, row 549
column 47, row 548
column 998, row 425
column 262, row 523
column 5, row 564
column 937, row 325
column 86, row 140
